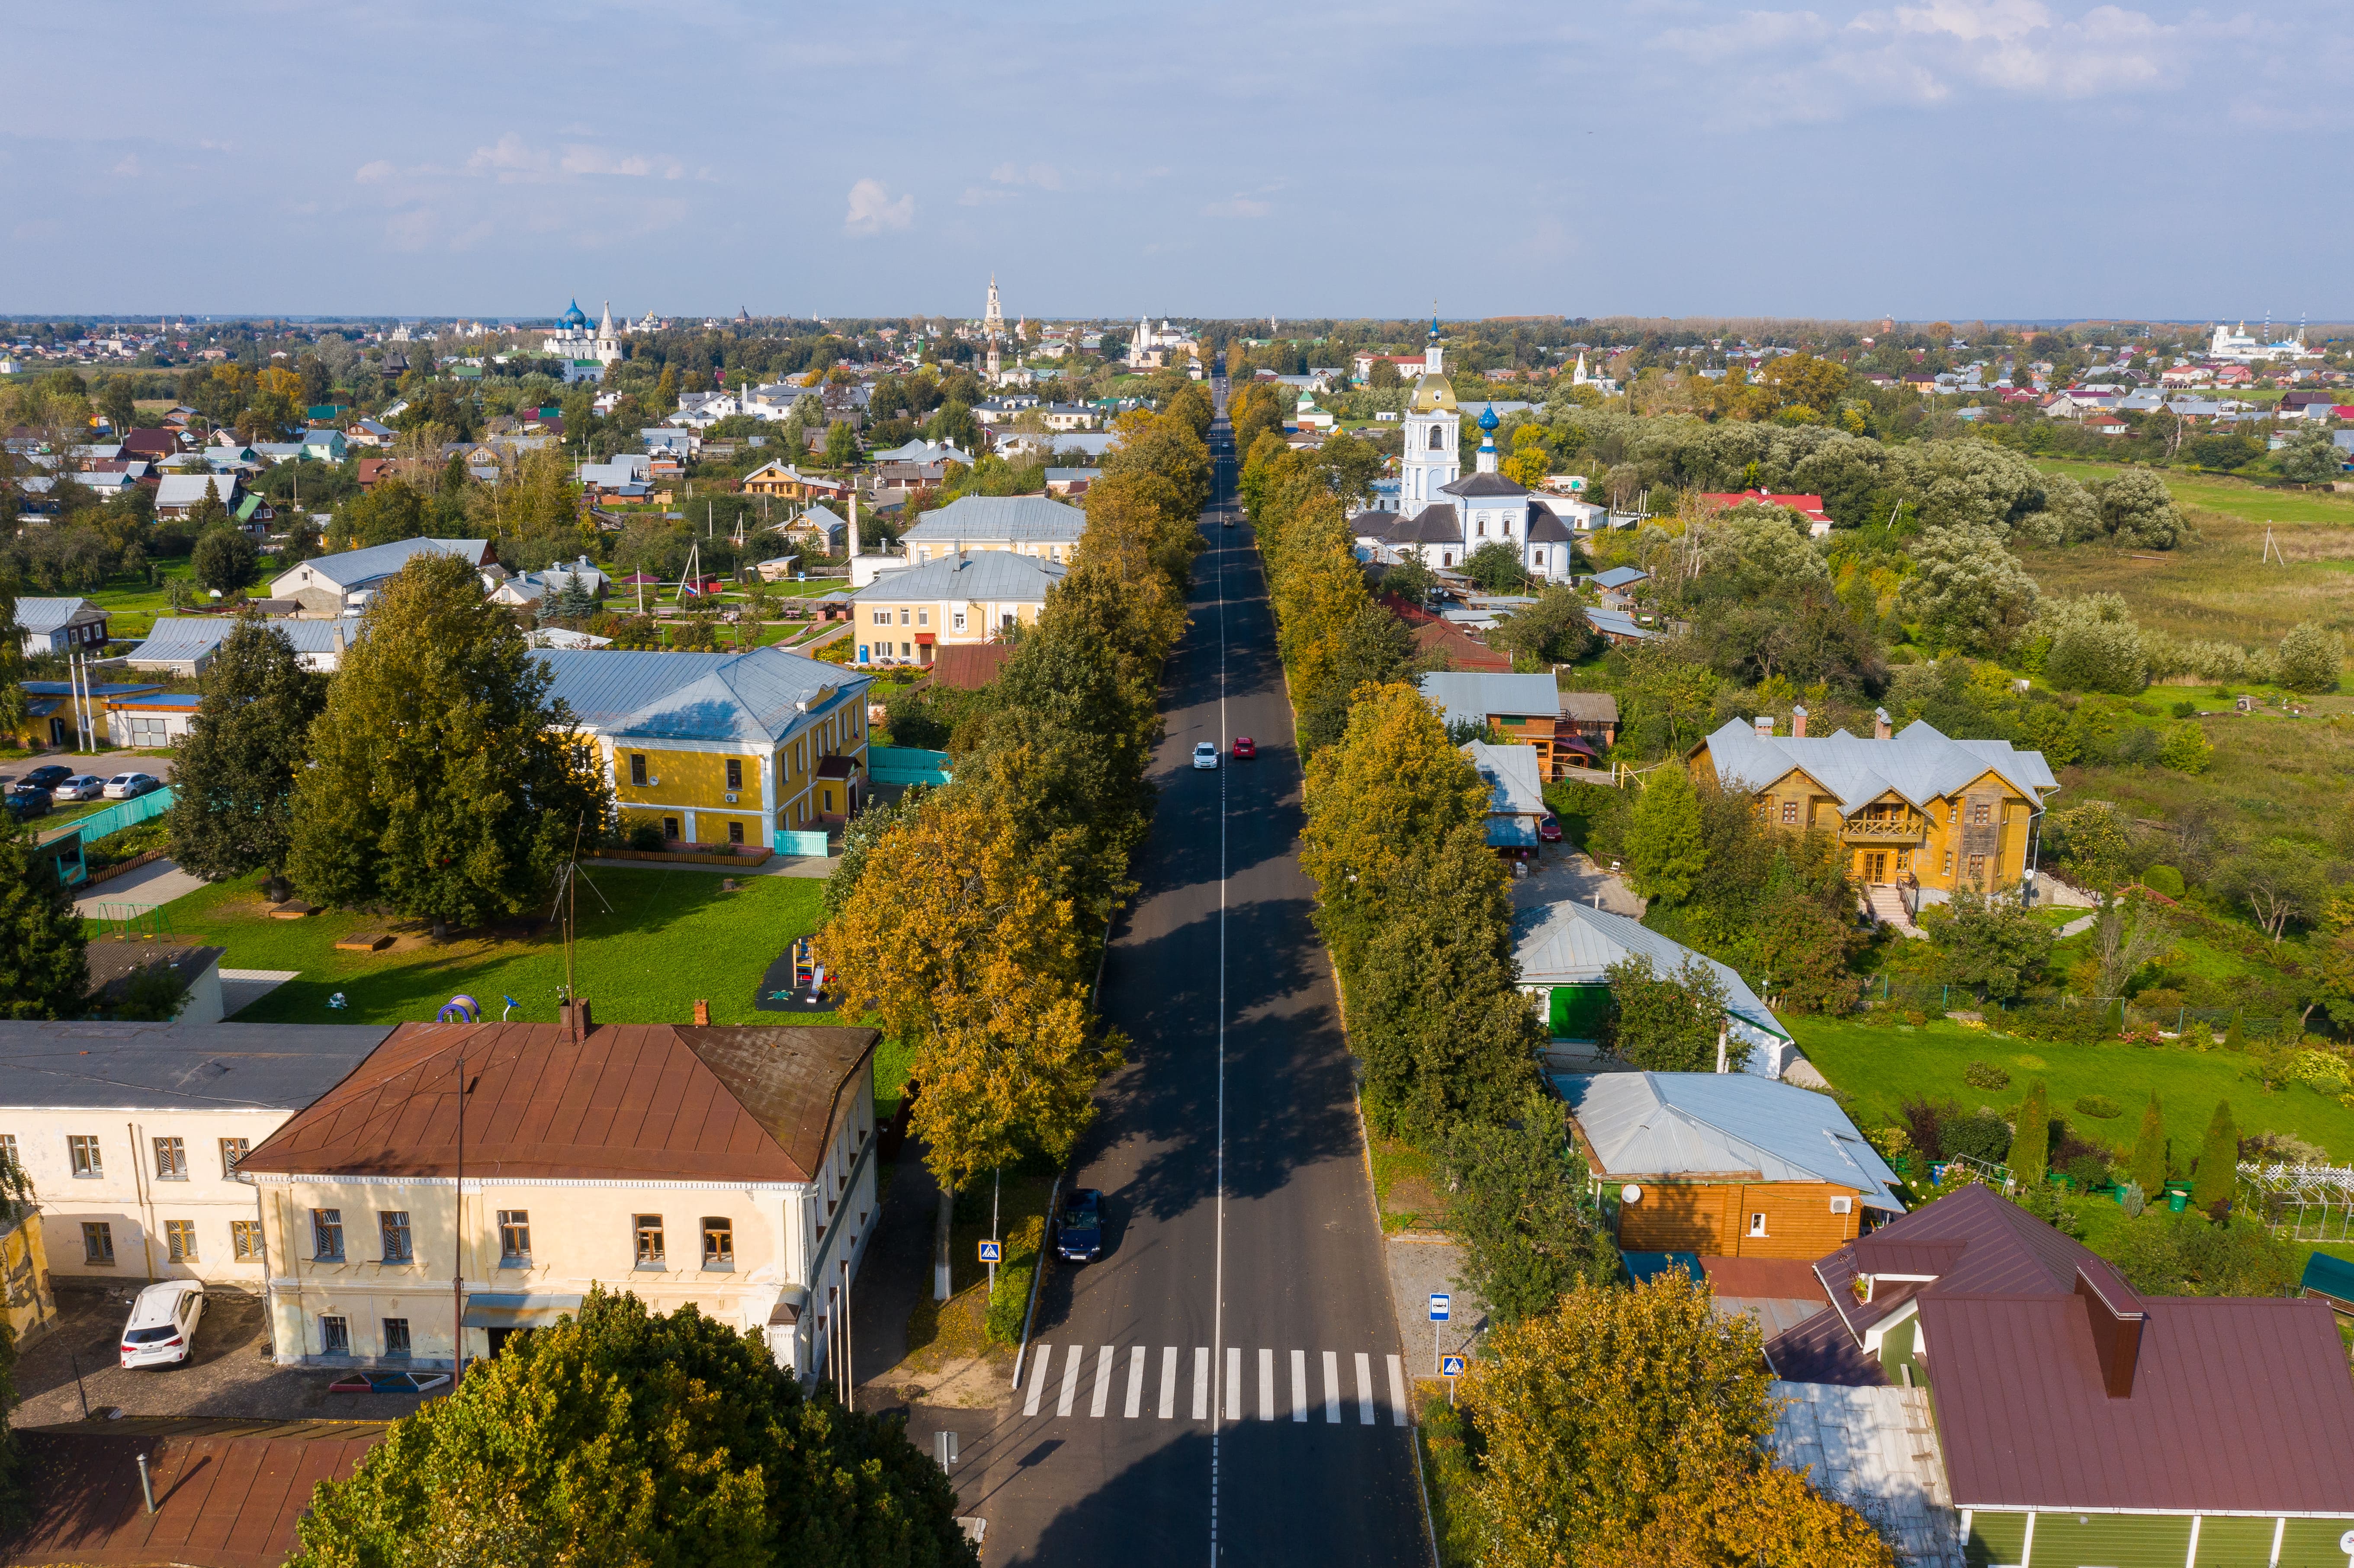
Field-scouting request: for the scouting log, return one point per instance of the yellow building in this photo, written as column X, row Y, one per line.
column 1916, row 810
column 732, row 1169
column 721, row 748
column 904, row 615
column 1035, row 525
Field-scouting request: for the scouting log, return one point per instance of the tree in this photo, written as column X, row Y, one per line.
column 2127, row 933
column 2189, row 1255
column 2186, row 748
column 12, row 700
column 1991, row 944
column 1520, row 1209
column 1670, row 1023
column 233, row 778
column 2138, row 510
column 2311, row 457
column 211, row 509
column 2282, row 881
column 622, row 1437
column 1384, row 376
column 1373, row 647
column 2149, row 1150
column 841, row 444
column 43, row 970
column 2031, row 1139
column 1553, row 631
column 2093, row 846
column 1618, row 1424
column 1967, row 590
column 1496, row 567
column 1664, row 849
column 2310, row 659
column 2216, row 1177
column 224, row 560
column 444, row 783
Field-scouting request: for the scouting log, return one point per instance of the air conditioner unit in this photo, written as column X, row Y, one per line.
column 731, row 797
column 1842, row 1205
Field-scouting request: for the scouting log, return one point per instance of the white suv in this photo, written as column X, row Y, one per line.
column 163, row 1327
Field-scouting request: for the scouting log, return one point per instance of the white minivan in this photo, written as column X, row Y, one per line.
column 163, row 1327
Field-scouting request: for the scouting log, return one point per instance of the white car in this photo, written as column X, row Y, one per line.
column 1205, row 756
column 80, row 787
column 126, row 786
column 163, row 1327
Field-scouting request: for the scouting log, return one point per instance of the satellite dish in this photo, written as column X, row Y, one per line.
column 1630, row 1194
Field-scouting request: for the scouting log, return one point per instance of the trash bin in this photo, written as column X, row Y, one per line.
column 2177, row 1200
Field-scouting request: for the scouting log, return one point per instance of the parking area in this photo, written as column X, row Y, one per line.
column 229, row 1375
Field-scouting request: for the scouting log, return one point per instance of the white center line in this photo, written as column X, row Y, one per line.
column 1201, row 1382
column 1037, row 1380
column 1300, row 1385
column 1103, row 1382
column 1136, row 1384
column 1168, row 1382
column 1331, row 1387
column 1266, row 1384
column 1218, row 1293
column 1074, row 1357
column 1397, row 1393
column 1364, row 1389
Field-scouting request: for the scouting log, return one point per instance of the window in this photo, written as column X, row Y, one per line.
column 718, row 1244
column 903, row 616
column 638, row 769
column 1790, row 813
column 1757, row 1224
column 735, row 773
column 232, row 1151
column 97, row 1242
column 1005, row 622
column 335, row 1336
column 171, row 1159
column 1434, row 438
column 180, row 1240
column 392, row 1229
column 735, row 833
column 83, row 1147
column 882, row 618
column 907, row 651
column 327, row 1235
column 514, row 1238
column 955, row 621
column 1980, row 813
column 1978, row 868
column 650, row 1241
column 923, row 617
column 1949, row 863
column 1480, row 527
column 396, row 1336
column 670, row 827
column 245, row 1240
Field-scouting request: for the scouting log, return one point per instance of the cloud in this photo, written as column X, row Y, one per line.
column 1238, row 206
column 872, row 209
column 1046, row 176
column 511, row 159
column 129, row 167
column 587, row 160
column 375, row 174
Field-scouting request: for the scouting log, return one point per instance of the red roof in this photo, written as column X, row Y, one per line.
column 1810, row 506
column 1462, row 651
column 969, row 666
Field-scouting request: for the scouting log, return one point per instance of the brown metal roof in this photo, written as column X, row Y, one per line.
column 654, row 1100
column 227, row 1493
column 969, row 666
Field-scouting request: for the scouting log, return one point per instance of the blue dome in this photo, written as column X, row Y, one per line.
column 573, row 317
column 1488, row 419
column 1433, row 325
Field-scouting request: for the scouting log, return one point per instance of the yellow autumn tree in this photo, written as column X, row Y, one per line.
column 1317, row 591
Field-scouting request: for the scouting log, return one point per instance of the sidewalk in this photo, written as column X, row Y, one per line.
column 157, row 883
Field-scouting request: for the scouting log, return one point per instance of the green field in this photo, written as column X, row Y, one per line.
column 2221, row 493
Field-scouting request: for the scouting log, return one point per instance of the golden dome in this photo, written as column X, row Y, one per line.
column 1433, row 393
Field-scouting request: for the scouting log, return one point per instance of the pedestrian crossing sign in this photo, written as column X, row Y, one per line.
column 991, row 1252
column 1451, row 1366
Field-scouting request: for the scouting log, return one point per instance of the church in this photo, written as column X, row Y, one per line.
column 575, row 343
column 1444, row 516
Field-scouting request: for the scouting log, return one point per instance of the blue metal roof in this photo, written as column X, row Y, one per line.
column 756, row 697
column 981, row 577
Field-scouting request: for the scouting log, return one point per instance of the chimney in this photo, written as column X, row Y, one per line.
column 1798, row 723
column 1881, row 730
column 338, row 639
column 702, row 1014
column 2117, row 1331
column 1764, row 726
column 575, row 1017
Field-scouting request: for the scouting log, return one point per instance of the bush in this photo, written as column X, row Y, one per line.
column 2185, row 709
column 2087, row 1171
column 2310, row 657
column 2064, row 1025
column 2099, row 1105
column 1985, row 1075
column 646, row 836
column 2163, row 879
column 2188, row 1254
column 1009, row 1301
column 1980, row 1135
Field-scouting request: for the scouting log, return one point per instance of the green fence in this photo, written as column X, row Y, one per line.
column 790, row 842
column 906, row 765
column 121, row 815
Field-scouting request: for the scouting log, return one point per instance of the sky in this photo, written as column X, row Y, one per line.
column 1954, row 159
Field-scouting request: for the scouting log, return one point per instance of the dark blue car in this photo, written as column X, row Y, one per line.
column 1078, row 1232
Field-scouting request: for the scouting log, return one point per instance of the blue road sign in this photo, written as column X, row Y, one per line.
column 990, row 1252
column 1451, row 1366
column 1439, row 1304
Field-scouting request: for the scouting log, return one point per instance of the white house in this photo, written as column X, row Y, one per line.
column 61, row 625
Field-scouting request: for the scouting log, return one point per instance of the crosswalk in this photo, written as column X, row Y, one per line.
column 1056, row 1377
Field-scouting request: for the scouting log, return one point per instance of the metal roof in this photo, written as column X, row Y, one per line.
column 979, row 575
column 1570, row 943
column 1621, row 576
column 1676, row 1124
column 43, row 615
column 177, row 1067
column 180, row 639
column 653, row 1101
column 1470, row 695
column 1515, row 791
column 357, row 569
column 188, row 489
column 1023, row 519
column 758, row 696
column 1920, row 764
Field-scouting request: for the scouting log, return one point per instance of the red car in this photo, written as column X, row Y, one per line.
column 1244, row 749
column 1549, row 830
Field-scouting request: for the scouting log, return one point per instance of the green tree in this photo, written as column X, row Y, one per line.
column 1528, row 1228
column 2310, row 659
column 224, row 560
column 1989, row 943
column 2189, row 1255
column 841, row 444
column 1664, row 847
column 211, row 509
column 1371, row 646
column 1496, row 567
column 2311, row 457
column 1670, row 1023
column 2186, row 748
column 392, row 510
column 2094, row 846
column 2149, row 1150
column 2217, row 1175
column 233, row 777
column 1553, row 631
column 622, row 1437
column 2030, row 1141
column 1967, row 591
column 43, row 969
column 444, row 783
column 2136, row 509
column 13, row 702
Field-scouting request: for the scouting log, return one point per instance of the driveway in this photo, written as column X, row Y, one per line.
column 230, row 1374
column 1560, row 877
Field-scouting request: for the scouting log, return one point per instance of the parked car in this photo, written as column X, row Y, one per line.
column 80, row 787
column 163, row 1327
column 45, row 778
column 1549, row 830
column 1205, row 756
column 1078, row 1229
column 130, row 786
column 1244, row 749
column 21, row 802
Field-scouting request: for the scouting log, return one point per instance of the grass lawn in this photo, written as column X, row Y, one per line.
column 671, row 937
column 2221, row 493
column 1449, row 1476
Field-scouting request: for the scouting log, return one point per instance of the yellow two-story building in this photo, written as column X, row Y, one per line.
column 1913, row 809
column 907, row 615
column 1035, row 525
column 729, row 1168
column 721, row 748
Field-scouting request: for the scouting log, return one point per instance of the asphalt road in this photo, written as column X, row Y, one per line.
column 1226, row 1385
